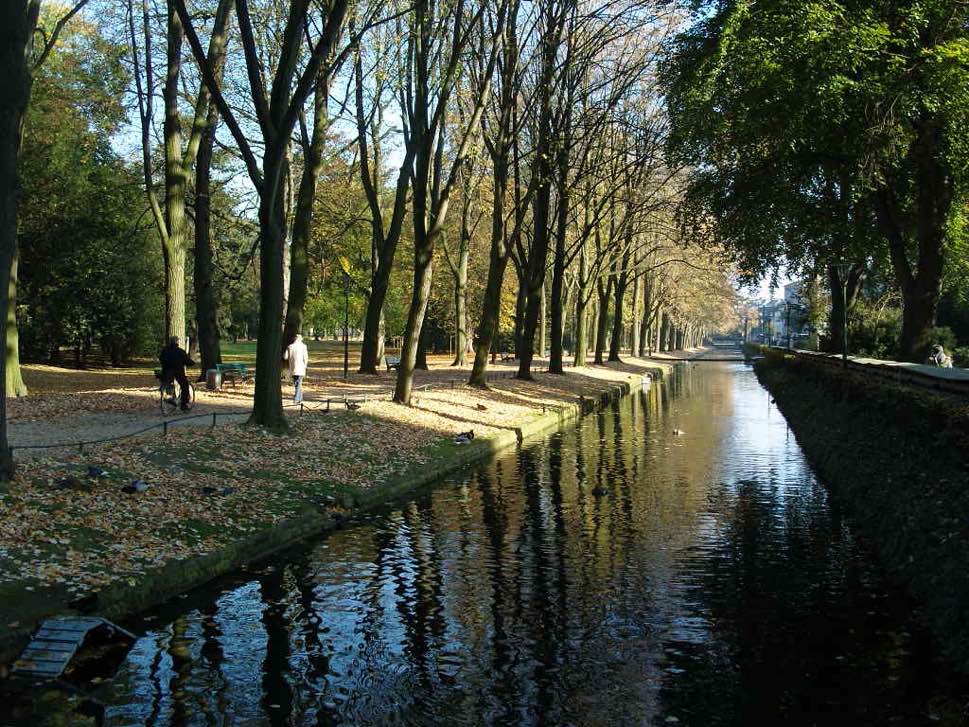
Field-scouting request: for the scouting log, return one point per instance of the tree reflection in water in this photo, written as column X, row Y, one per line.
column 714, row 583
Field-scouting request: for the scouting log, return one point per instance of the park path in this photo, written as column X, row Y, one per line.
column 32, row 438
column 40, row 436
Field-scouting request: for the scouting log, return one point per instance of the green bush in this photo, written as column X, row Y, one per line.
column 873, row 331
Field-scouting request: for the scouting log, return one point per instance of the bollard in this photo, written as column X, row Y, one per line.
column 328, row 405
column 213, row 419
column 165, row 428
column 301, row 408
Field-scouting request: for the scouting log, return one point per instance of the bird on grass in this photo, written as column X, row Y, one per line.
column 135, row 486
column 352, row 405
column 73, row 483
column 481, row 407
column 464, row 437
column 95, row 471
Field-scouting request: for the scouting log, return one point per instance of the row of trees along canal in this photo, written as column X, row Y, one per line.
column 833, row 137
column 277, row 138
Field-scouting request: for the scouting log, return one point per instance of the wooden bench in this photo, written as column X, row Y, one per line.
column 234, row 372
column 392, row 362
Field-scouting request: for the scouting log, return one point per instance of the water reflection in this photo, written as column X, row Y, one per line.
column 614, row 574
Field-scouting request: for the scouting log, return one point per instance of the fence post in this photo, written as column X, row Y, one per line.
column 165, row 428
column 301, row 408
column 213, row 419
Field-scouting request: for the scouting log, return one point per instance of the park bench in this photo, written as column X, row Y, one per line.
column 235, row 372
column 392, row 362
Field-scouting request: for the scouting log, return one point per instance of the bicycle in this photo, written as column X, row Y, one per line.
column 168, row 400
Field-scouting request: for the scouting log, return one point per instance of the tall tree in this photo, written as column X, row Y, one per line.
column 313, row 144
column 277, row 113
column 386, row 224
column 500, row 126
column 21, row 57
column 172, row 220
column 443, row 31
column 789, row 114
column 553, row 19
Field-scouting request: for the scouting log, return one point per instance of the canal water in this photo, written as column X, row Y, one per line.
column 669, row 560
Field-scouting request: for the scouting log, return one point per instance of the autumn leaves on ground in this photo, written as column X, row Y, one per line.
column 67, row 533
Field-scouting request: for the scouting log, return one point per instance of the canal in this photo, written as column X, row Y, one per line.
column 668, row 560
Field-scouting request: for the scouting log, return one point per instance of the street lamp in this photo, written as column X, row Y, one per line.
column 344, row 263
column 843, row 270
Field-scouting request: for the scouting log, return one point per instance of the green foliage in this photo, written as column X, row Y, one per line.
column 873, row 330
column 797, row 116
column 89, row 273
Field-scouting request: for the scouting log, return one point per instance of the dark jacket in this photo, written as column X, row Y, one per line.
column 174, row 359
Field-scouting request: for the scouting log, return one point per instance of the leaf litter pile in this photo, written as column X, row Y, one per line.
column 84, row 520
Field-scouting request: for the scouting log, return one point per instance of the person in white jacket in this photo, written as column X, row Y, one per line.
column 298, row 356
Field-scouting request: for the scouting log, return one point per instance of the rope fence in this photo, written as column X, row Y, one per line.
column 314, row 405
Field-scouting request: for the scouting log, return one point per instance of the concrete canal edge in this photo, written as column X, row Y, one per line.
column 156, row 586
column 897, row 458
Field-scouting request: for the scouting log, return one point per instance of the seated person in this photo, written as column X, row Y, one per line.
column 173, row 362
column 940, row 358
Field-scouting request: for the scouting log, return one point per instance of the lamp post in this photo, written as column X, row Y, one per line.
column 843, row 270
column 787, row 323
column 344, row 263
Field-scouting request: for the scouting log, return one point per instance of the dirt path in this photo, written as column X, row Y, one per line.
column 99, row 425
column 73, row 418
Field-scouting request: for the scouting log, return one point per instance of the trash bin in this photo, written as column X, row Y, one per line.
column 213, row 379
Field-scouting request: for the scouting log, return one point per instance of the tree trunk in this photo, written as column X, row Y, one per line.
column 421, row 363
column 423, row 259
column 615, row 342
column 602, row 324
column 175, row 241
column 840, row 307
column 558, row 264
column 461, row 311
column 581, row 331
column 645, row 333
column 535, row 272
column 521, row 299
column 460, row 275
column 581, row 344
column 206, row 299
column 299, row 266
column 490, row 310
column 373, row 322
column 267, row 404
column 18, row 21
column 13, row 376
column 619, row 286
column 634, row 344
column 542, row 323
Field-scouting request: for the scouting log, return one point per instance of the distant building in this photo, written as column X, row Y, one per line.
column 777, row 314
column 793, row 291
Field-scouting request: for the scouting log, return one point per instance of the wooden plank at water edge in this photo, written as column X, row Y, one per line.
column 56, row 642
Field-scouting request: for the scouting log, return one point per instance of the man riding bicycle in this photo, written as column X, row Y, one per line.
column 173, row 362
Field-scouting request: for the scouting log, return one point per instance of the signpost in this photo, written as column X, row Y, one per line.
column 345, row 265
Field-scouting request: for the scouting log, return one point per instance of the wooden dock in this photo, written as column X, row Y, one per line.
column 56, row 642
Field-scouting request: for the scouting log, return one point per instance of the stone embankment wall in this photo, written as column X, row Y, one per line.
column 898, row 458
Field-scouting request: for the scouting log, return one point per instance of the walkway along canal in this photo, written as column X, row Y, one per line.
column 668, row 560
